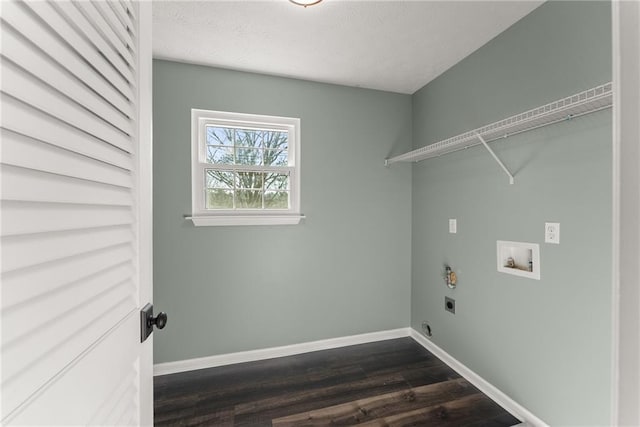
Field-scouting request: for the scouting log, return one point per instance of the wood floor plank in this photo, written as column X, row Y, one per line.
column 417, row 376
column 224, row 418
column 292, row 381
column 277, row 406
column 500, row 420
column 455, row 413
column 321, row 394
column 259, row 391
column 173, row 416
column 381, row 406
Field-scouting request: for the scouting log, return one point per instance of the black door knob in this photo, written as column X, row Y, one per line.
column 160, row 320
column 147, row 320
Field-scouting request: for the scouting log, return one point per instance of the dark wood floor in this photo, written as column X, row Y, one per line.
column 388, row 383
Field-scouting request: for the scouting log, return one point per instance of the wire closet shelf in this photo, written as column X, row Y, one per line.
column 589, row 101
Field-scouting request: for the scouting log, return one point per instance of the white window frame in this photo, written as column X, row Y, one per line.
column 209, row 217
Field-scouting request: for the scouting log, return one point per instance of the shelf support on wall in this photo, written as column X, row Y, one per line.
column 495, row 157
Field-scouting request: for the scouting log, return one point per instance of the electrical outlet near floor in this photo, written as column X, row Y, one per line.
column 426, row 329
column 450, row 305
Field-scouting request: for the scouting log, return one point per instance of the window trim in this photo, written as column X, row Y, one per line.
column 206, row 217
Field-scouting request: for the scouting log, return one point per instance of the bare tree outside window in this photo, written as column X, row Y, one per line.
column 241, row 187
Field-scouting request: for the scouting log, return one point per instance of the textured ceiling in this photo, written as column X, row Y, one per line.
column 397, row 46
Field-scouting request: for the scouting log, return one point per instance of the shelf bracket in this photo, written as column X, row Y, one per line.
column 504, row 168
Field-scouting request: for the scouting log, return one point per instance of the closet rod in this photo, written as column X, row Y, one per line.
column 579, row 104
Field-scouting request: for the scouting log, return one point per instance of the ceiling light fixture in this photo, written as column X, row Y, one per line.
column 305, row 3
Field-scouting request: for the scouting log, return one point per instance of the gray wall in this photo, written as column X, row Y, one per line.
column 345, row 270
column 546, row 343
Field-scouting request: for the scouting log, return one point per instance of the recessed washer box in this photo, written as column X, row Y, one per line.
column 519, row 258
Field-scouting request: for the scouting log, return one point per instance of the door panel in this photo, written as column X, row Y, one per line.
column 111, row 398
column 76, row 212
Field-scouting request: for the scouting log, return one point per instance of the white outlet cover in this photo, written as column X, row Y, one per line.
column 453, row 225
column 552, row 232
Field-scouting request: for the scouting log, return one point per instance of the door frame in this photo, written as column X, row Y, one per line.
column 625, row 389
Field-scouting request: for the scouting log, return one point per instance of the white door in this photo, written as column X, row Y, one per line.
column 75, row 213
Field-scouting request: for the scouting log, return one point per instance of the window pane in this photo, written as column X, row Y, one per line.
column 249, row 180
column 276, row 158
column 219, row 179
column 219, row 136
column 248, row 156
column 276, row 200
column 219, row 155
column 219, row 199
column 249, row 199
column 276, row 139
column 249, row 138
column 276, row 181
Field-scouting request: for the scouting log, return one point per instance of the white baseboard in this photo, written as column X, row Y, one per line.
column 270, row 353
column 510, row 405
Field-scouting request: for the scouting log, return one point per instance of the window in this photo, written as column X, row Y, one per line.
column 245, row 169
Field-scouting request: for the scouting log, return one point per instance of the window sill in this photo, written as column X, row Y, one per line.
column 231, row 220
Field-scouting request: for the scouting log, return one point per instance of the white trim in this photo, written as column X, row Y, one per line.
column 615, row 213
column 625, row 352
column 270, row 353
column 487, row 388
column 224, row 220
